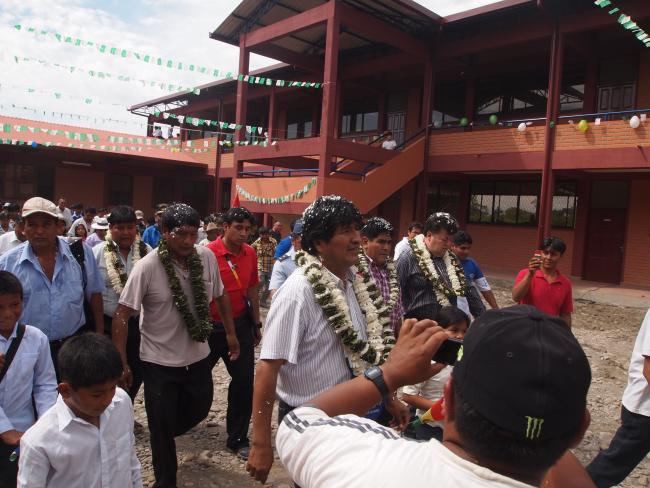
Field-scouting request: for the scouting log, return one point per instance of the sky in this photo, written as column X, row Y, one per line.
column 34, row 88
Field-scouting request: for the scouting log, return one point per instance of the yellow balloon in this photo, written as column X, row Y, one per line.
column 583, row 126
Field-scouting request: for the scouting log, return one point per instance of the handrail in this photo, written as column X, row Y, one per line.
column 277, row 171
column 413, row 136
column 338, row 163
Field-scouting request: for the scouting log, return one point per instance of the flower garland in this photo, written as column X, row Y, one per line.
column 273, row 200
column 200, row 329
column 329, row 296
column 114, row 267
column 454, row 270
column 364, row 270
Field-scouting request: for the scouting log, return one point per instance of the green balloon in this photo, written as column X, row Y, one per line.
column 494, row 119
column 464, row 122
column 583, row 126
column 552, row 124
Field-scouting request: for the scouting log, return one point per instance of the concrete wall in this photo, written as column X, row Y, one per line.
column 636, row 268
column 80, row 184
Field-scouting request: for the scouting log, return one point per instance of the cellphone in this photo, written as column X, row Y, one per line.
column 447, row 353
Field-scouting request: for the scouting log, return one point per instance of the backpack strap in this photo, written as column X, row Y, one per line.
column 11, row 352
column 77, row 250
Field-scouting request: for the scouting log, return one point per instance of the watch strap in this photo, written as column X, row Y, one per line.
column 376, row 375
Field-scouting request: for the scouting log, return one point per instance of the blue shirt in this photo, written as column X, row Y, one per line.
column 31, row 372
column 282, row 269
column 151, row 236
column 55, row 307
column 472, row 270
column 282, row 248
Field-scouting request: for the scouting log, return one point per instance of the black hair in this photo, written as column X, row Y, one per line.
column 160, row 207
column 90, row 210
column 122, row 214
column 487, row 441
column 13, row 207
column 238, row 214
column 76, row 206
column 461, row 238
column 375, row 226
column 324, row 216
column 450, row 315
column 178, row 215
column 151, row 221
column 554, row 244
column 10, row 284
column 4, row 215
column 87, row 360
column 440, row 221
column 415, row 225
column 263, row 230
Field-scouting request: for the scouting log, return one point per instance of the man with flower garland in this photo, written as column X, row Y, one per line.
column 172, row 288
column 116, row 257
column 430, row 275
column 324, row 326
column 376, row 267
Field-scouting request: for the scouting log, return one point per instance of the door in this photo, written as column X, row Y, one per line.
column 606, row 231
column 616, row 98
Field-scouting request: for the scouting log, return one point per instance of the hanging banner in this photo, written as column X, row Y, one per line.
column 275, row 200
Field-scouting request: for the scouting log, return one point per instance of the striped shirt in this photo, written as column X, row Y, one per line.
column 381, row 277
column 296, row 330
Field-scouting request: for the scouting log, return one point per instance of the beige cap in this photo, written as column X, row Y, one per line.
column 39, row 205
column 211, row 226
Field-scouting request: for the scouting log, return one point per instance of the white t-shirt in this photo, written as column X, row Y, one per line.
column 390, row 145
column 349, row 451
column 636, row 397
column 431, row 389
column 400, row 247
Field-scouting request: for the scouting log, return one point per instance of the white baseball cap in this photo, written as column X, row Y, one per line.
column 39, row 205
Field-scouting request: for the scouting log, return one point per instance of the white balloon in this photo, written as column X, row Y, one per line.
column 635, row 122
column 522, row 127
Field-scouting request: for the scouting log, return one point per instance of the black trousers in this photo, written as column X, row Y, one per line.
column 132, row 351
column 8, row 469
column 242, row 372
column 629, row 446
column 55, row 347
column 176, row 399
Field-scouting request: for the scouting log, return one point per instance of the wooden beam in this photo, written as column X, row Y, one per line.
column 311, row 63
column 290, row 25
column 380, row 65
column 377, row 30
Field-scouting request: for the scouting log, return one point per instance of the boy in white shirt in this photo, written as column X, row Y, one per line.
column 424, row 395
column 28, row 374
column 86, row 440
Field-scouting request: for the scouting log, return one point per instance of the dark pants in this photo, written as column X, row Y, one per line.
column 241, row 371
column 176, row 399
column 132, row 351
column 55, row 347
column 629, row 446
column 426, row 432
column 8, row 469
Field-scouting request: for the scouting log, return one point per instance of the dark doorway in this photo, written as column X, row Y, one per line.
column 606, row 231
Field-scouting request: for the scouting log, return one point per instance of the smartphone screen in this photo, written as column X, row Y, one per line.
column 448, row 352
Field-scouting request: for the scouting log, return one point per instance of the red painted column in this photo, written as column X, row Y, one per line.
column 240, row 110
column 427, row 105
column 328, row 114
column 271, row 126
column 552, row 110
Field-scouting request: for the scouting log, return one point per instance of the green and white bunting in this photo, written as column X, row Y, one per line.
column 275, row 200
column 625, row 20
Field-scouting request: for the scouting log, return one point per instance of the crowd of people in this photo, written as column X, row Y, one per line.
column 366, row 351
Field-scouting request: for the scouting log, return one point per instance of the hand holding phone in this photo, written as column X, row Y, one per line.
column 447, row 353
column 535, row 262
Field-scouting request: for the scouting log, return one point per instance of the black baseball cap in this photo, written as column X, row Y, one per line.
column 525, row 372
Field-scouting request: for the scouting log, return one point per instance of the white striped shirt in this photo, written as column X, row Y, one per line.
column 297, row 331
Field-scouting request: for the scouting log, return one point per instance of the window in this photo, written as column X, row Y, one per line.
column 360, row 116
column 565, row 204
column 444, row 196
column 299, row 124
column 163, row 191
column 504, row 202
column 119, row 189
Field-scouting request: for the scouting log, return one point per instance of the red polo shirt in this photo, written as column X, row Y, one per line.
column 245, row 264
column 552, row 298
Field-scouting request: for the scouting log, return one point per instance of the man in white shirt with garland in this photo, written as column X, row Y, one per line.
column 513, row 408
column 324, row 326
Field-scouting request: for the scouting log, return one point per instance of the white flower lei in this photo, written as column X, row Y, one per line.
column 364, row 269
column 329, row 296
column 454, row 271
column 114, row 268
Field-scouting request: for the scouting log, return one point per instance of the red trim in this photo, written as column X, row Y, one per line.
column 289, row 25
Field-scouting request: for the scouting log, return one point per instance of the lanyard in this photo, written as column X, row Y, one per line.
column 233, row 269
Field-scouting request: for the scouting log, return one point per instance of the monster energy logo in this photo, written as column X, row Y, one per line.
column 534, row 427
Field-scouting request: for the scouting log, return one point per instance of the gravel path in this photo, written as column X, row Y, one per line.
column 606, row 332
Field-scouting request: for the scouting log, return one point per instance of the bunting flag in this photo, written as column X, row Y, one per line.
column 97, row 147
column 60, row 96
column 625, row 20
column 73, row 116
column 122, row 53
column 274, row 200
column 197, row 121
column 76, row 136
column 102, row 75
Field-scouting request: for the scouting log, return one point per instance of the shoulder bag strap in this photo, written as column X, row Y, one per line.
column 11, row 352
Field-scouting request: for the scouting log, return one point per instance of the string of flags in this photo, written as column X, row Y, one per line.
column 625, row 20
column 197, row 121
column 59, row 95
column 107, row 49
column 281, row 199
column 99, row 147
column 70, row 115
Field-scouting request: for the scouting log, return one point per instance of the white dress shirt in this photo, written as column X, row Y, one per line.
column 66, row 215
column 8, row 241
column 400, row 247
column 63, row 451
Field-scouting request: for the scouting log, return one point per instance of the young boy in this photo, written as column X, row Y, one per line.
column 425, row 394
column 30, row 374
column 476, row 282
column 86, row 439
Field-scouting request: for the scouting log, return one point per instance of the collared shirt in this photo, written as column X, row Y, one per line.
column 297, row 331
column 64, row 451
column 66, row 215
column 237, row 281
column 8, row 241
column 31, row 373
column 74, row 225
column 400, row 247
column 164, row 336
column 111, row 298
column 282, row 269
column 151, row 236
column 380, row 275
column 554, row 298
column 265, row 252
column 636, row 397
column 55, row 307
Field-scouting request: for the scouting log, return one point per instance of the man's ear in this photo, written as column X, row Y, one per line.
column 450, row 403
column 65, row 389
column 584, row 425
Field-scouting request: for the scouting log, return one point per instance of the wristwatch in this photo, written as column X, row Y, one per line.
column 376, row 375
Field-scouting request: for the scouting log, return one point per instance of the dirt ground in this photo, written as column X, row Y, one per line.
column 606, row 332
